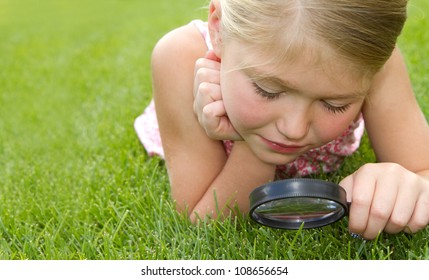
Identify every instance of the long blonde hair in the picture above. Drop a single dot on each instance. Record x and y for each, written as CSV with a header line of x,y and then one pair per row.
x,y
360,32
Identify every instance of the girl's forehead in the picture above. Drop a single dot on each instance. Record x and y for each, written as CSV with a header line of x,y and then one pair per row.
x,y
304,67
271,60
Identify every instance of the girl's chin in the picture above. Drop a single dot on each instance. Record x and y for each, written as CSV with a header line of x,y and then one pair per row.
x,y
276,159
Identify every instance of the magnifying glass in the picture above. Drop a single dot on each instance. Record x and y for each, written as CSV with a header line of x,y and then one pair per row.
x,y
288,204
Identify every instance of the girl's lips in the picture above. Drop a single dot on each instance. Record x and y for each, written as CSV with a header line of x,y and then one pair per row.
x,y
281,148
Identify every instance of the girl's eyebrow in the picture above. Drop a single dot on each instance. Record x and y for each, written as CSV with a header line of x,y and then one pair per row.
x,y
273,80
351,95
259,77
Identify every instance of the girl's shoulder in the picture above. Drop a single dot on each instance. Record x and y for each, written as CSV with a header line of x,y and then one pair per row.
x,y
182,44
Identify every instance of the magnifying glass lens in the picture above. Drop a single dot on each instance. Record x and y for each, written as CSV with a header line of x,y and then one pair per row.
x,y
299,209
292,203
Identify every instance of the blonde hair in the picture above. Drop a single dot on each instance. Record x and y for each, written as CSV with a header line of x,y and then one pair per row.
x,y
361,32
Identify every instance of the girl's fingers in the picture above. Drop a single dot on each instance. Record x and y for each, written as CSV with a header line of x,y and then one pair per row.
x,y
207,93
420,215
210,54
403,210
361,188
208,104
210,61
420,218
205,75
347,185
382,205
216,122
386,197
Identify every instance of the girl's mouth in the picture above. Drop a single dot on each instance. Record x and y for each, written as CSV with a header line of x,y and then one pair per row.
x,y
282,148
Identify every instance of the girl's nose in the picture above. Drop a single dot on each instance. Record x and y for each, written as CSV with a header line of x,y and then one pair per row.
x,y
294,124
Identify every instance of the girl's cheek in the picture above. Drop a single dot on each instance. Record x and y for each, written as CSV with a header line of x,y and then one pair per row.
x,y
327,134
243,107
329,127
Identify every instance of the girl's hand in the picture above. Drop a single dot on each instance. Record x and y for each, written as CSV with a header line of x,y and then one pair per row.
x,y
386,197
208,103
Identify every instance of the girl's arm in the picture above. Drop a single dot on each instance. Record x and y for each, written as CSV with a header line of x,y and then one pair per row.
x,y
395,123
392,195
197,165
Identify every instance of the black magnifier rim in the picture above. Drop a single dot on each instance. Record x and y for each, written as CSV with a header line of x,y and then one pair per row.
x,y
293,188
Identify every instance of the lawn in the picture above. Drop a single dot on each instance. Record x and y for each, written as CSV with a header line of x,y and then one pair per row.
x,y
75,183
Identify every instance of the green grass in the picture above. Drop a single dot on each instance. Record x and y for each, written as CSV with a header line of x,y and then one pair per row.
x,y
75,183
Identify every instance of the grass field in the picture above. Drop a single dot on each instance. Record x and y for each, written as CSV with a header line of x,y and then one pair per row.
x,y
75,183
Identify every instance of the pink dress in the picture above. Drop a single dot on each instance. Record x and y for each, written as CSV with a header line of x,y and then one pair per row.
x,y
326,158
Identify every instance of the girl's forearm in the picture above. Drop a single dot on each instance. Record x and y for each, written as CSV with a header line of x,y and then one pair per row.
x,y
242,173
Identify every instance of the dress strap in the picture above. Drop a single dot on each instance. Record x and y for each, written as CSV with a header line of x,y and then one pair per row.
x,y
204,30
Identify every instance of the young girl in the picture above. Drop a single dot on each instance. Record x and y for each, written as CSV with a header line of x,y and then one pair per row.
x,y
292,83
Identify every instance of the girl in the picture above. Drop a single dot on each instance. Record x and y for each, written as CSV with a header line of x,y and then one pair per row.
x,y
292,83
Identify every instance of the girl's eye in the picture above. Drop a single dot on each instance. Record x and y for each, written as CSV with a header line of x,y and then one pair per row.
x,y
266,94
335,109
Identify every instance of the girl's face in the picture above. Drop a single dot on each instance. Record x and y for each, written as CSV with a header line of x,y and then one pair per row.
x,y
282,112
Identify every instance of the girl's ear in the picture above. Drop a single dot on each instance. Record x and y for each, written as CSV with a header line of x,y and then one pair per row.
x,y
214,27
